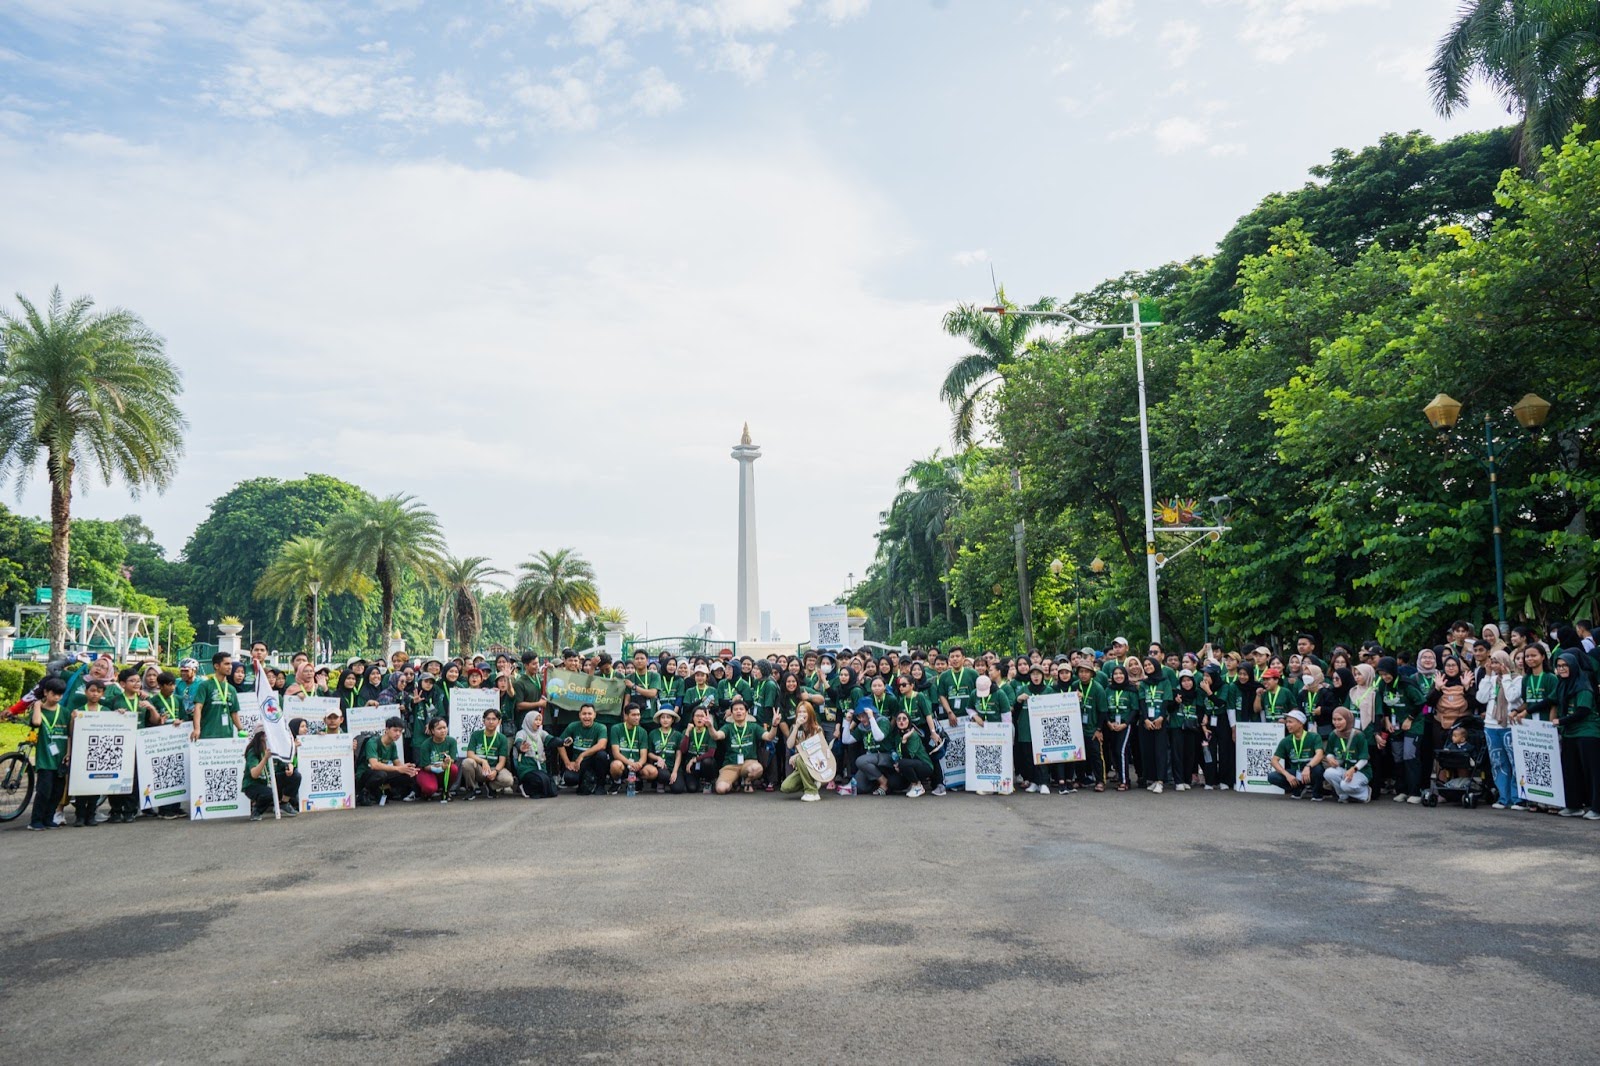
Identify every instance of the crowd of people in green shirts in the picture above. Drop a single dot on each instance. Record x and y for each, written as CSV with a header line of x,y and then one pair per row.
x,y
1360,723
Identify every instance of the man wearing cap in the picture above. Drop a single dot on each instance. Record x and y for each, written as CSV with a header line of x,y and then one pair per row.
x,y
1117,656
1273,700
183,691
663,749
1296,760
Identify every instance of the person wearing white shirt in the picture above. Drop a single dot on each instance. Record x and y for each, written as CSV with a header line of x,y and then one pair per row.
x,y
1500,695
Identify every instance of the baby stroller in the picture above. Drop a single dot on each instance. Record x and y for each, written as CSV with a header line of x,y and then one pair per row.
x,y
1469,788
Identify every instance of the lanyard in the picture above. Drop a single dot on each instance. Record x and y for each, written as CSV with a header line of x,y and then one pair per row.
x,y
1299,746
218,683
632,737
170,703
699,739
671,686
1272,701
741,734
960,676
53,722
699,693
1344,747
877,707
490,745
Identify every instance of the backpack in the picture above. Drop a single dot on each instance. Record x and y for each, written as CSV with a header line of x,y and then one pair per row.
x,y
358,746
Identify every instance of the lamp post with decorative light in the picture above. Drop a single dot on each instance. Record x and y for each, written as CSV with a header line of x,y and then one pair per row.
x,y
1443,413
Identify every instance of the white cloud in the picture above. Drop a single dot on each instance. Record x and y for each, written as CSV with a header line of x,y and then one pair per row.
x,y
566,102
454,332
655,94
838,11
267,82
1176,134
1112,18
972,258
1277,30
747,62
1178,41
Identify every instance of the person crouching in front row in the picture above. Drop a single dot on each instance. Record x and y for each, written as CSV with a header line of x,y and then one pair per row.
x,y
258,764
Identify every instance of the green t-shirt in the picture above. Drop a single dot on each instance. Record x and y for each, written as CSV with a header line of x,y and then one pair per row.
x,y
766,695
647,704
497,746
664,744
1297,752
917,706
1538,690
171,709
1349,752
1092,701
629,741
726,690
532,759
583,737
216,704
1580,709
428,753
862,732
959,687
51,752
1122,705
251,761
527,688
696,696
1156,697
699,741
741,742
1399,701
376,748
1274,705
908,746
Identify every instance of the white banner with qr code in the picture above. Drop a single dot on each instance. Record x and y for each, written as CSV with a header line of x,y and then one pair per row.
x,y
249,713
989,767
216,780
953,760
314,709
358,720
1056,721
467,707
1253,752
1536,753
163,758
829,626
327,773
102,754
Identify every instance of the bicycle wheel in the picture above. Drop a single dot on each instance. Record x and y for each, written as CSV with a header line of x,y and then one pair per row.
x,y
16,785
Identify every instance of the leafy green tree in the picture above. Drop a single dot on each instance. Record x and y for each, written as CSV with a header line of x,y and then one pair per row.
x,y
554,589
240,537
1541,56
147,563
386,538
288,580
498,627
88,393
462,582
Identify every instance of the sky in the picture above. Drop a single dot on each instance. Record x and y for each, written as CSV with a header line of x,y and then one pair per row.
x,y
536,262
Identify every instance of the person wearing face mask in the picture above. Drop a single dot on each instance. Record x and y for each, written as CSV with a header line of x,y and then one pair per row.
x,y
1580,736
1500,694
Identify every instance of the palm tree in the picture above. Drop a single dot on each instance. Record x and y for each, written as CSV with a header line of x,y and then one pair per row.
x,y
1541,56
555,588
300,575
931,496
462,581
997,340
88,391
386,538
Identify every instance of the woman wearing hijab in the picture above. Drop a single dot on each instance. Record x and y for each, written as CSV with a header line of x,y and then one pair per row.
x,y
371,693
910,769
1216,733
1500,694
348,693
530,754
1491,636
1580,736
1122,711
1400,703
1183,729
259,764
1155,700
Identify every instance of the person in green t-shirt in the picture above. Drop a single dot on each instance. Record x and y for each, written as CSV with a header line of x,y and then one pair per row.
x,y
628,745
216,702
1579,722
485,766
644,686
530,756
905,760
528,688
381,774
260,767
1346,759
956,688
1296,760
1399,703
742,737
585,765
662,750
50,718
695,766
438,759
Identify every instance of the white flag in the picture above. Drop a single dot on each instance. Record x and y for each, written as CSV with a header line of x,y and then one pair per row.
x,y
273,722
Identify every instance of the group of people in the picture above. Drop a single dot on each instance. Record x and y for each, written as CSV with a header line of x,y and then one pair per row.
x,y
1360,723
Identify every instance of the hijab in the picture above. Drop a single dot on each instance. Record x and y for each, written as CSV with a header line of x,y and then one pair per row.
x,y
527,732
1361,693
1569,688
1500,708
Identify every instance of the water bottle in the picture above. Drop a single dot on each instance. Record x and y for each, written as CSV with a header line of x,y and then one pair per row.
x,y
633,783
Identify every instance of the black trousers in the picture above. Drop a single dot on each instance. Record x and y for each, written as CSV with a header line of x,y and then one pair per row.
x,y
696,774
1114,755
1580,771
47,788
1155,755
536,784
905,772
591,773
373,781
260,792
1185,754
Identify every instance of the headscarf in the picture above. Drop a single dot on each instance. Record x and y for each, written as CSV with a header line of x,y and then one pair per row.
x,y
294,726
1492,635
1500,709
1362,692
1569,688
528,733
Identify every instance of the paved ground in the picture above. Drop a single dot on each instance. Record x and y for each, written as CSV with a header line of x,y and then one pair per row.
x,y
1203,928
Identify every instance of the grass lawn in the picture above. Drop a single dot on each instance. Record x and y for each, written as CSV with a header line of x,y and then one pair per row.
x,y
11,734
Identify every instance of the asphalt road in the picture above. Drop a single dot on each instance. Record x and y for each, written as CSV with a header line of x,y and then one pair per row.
x,y
1198,928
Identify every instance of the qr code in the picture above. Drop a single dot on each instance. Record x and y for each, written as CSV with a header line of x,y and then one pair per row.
x,y
325,775
1258,763
315,728
250,722
828,634
955,753
104,754
222,784
1055,732
1536,770
471,722
168,771
987,760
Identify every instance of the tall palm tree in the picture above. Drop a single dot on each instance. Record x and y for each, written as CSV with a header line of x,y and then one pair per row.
x,y
996,340
462,581
555,588
300,575
931,496
386,538
88,391
1541,56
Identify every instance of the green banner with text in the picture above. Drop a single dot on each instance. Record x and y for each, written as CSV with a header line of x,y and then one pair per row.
x,y
570,690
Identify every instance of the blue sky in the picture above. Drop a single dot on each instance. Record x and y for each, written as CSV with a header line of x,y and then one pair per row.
x,y
537,260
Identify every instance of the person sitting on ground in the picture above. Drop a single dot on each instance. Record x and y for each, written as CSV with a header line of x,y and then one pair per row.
x,y
1295,761
484,770
800,778
1346,759
530,756
663,750
695,765
867,733
584,762
909,768
438,759
741,767
381,774
629,744
257,785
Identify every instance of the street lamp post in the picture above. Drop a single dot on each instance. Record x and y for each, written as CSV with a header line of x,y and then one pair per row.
x,y
1096,567
1135,329
316,604
1443,413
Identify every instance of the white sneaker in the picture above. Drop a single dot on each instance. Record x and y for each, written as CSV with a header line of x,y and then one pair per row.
x,y
1044,790
1413,799
1497,806
58,819
1399,797
1180,788
1156,788
1519,806
1224,788
1207,788
1591,816
1571,812
914,791
1031,787
809,797
938,790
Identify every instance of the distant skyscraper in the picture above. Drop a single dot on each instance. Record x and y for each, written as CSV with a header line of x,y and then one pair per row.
x,y
749,601
766,625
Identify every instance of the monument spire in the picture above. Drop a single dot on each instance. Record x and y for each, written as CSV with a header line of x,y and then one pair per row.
x,y
748,612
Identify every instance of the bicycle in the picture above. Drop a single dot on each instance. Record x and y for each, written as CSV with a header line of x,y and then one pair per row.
x,y
16,778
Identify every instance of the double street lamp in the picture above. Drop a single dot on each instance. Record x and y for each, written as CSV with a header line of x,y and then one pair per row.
x,y
1530,412
1096,567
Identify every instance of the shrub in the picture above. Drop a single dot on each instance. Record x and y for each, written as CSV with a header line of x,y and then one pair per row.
x,y
10,683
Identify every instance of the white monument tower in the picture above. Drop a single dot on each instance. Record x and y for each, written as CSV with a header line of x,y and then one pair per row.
x,y
749,601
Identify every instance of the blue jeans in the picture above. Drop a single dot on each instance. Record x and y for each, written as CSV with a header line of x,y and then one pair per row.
x,y
1502,765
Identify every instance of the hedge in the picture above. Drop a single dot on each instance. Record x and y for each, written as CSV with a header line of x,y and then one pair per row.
x,y
17,678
